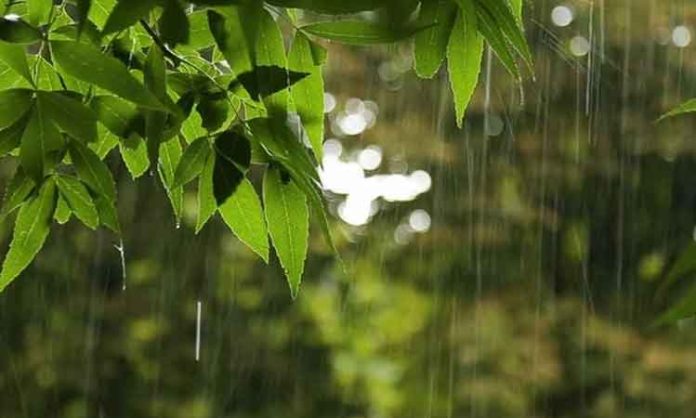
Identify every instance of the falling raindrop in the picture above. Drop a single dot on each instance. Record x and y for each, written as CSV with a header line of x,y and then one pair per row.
x,y
198,330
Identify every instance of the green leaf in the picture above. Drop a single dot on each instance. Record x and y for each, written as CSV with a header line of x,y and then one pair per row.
x,y
685,264
516,6
192,127
507,24
243,214
134,154
464,54
687,107
40,137
206,198
331,6
78,199
82,13
213,113
48,78
70,115
62,214
120,117
270,52
232,159
279,143
308,94
287,216
11,137
360,32
199,31
38,11
87,63
430,45
100,10
685,307
173,24
13,105
97,176
14,56
17,31
155,73
126,13
265,80
488,27
229,35
192,162
17,191
169,158
106,142
31,229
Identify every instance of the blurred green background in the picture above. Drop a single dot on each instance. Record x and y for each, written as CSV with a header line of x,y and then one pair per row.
x,y
510,269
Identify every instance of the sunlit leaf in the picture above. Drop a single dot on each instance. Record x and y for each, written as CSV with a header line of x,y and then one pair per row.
x,y
15,58
62,213
488,27
97,176
287,216
308,94
431,44
89,64
192,162
31,229
169,158
78,199
206,198
331,6
40,137
199,31
243,214
134,154
464,55
506,23
38,11
360,32
228,32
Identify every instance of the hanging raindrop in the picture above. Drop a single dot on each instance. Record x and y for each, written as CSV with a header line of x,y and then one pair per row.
x,y
122,254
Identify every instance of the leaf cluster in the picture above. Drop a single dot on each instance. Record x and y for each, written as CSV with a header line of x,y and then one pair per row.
x,y
201,91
